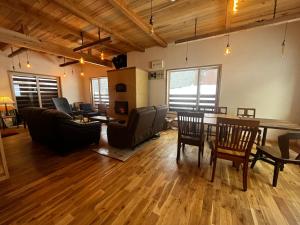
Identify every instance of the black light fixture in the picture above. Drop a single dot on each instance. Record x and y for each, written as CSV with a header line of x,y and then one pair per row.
x,y
284,39
227,49
151,19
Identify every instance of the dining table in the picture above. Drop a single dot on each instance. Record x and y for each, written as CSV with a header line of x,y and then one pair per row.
x,y
277,124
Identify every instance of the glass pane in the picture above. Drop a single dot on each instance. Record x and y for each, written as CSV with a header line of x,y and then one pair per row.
x,y
183,89
48,90
104,90
208,88
25,89
95,91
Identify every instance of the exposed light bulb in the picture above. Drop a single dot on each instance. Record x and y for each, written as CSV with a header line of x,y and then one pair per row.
x,y
227,50
152,29
81,60
65,74
102,55
28,65
235,5
82,74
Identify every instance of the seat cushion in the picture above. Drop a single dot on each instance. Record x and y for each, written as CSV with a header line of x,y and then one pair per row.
x,y
230,152
226,151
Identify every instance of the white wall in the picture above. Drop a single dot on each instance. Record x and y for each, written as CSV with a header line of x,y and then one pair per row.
x,y
254,75
46,65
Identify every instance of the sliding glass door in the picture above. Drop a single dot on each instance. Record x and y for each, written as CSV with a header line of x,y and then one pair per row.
x,y
194,88
34,90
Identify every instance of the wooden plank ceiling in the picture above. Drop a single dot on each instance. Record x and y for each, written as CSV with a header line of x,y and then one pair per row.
x,y
127,21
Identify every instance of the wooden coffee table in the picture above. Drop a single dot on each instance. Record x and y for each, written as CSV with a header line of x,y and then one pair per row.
x,y
103,119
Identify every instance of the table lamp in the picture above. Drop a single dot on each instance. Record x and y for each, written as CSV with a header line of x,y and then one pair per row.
x,y
4,100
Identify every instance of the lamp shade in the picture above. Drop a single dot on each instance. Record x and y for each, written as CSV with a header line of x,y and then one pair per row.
x,y
6,100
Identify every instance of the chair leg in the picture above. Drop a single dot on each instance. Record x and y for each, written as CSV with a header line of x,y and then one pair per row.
x,y
199,154
183,147
202,148
245,176
214,168
178,151
282,167
276,173
211,157
207,132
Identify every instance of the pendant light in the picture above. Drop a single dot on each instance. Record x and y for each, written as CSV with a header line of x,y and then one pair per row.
x,y
102,52
81,60
12,59
28,65
81,72
151,19
235,6
284,39
227,49
102,55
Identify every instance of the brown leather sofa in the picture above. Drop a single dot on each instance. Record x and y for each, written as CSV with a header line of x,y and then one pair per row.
x,y
58,129
143,124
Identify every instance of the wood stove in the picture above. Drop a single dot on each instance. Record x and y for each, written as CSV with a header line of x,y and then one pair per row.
x,y
121,107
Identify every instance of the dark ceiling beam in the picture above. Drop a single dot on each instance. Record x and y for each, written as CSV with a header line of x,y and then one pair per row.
x,y
92,44
17,52
69,63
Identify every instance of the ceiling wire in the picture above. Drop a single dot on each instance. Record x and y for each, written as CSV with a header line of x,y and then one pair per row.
x,y
275,9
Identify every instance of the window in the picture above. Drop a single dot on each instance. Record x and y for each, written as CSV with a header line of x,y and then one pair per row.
x,y
33,90
193,89
100,91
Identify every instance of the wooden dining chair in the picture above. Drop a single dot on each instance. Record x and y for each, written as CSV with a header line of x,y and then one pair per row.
x,y
250,113
218,110
190,131
234,141
277,156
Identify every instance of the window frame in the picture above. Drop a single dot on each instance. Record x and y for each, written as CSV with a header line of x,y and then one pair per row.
x,y
218,88
36,75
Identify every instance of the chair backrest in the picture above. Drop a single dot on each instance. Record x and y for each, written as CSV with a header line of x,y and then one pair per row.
x,y
62,104
284,143
246,112
102,109
190,124
206,109
86,107
236,134
221,110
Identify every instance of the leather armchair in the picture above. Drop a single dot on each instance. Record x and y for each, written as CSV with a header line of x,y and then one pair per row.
x,y
138,129
62,105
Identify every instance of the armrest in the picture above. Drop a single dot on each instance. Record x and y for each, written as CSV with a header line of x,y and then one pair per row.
x,y
75,132
117,135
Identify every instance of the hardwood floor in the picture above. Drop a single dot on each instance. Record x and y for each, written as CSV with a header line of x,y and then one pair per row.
x,y
150,188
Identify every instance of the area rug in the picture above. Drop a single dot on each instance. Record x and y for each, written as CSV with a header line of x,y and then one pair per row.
x,y
116,153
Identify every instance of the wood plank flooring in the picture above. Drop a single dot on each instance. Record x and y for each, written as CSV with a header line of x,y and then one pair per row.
x,y
150,188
